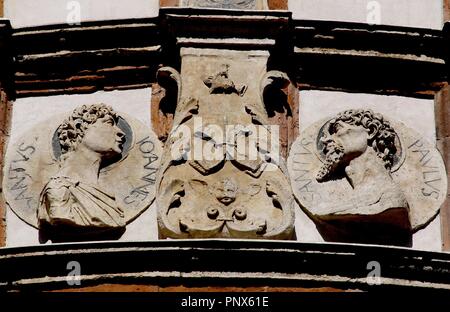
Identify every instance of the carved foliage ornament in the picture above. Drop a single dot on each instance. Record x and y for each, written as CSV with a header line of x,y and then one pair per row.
x,y
225,196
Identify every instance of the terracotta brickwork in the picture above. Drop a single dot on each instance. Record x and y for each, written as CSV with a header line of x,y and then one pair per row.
x,y
278,4
161,120
5,113
273,4
286,117
443,136
446,10
442,112
153,288
168,3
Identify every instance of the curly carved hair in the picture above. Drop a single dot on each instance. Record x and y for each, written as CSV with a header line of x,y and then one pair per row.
x,y
71,131
382,135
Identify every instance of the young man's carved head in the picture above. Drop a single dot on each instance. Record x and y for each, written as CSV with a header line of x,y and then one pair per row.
x,y
349,134
95,128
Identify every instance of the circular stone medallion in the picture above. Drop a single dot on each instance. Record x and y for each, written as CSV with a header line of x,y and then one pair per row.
x,y
418,169
35,157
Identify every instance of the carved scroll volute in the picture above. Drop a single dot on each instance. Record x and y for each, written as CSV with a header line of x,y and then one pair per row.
x,y
233,193
280,99
165,98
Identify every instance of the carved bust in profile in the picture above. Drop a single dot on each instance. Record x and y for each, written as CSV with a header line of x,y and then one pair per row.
x,y
359,146
72,201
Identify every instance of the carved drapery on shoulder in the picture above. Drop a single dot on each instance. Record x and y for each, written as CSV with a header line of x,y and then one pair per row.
x,y
84,176
364,179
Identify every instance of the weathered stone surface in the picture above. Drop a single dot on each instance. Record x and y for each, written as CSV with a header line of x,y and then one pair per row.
x,y
227,4
84,176
362,178
211,185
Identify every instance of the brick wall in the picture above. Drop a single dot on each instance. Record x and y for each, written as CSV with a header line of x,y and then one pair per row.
x,y
154,288
5,114
278,4
446,10
168,3
273,4
442,111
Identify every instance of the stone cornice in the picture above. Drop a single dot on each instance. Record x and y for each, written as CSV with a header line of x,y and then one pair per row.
x,y
86,58
223,263
369,58
123,54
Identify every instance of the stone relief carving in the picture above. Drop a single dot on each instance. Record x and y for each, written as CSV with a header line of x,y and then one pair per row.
x,y
220,83
228,194
72,198
84,176
358,177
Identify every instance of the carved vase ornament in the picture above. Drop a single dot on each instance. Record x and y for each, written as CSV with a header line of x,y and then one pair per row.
x,y
364,179
82,176
221,173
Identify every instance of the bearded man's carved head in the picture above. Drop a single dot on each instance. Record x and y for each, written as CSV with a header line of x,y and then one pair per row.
x,y
349,134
